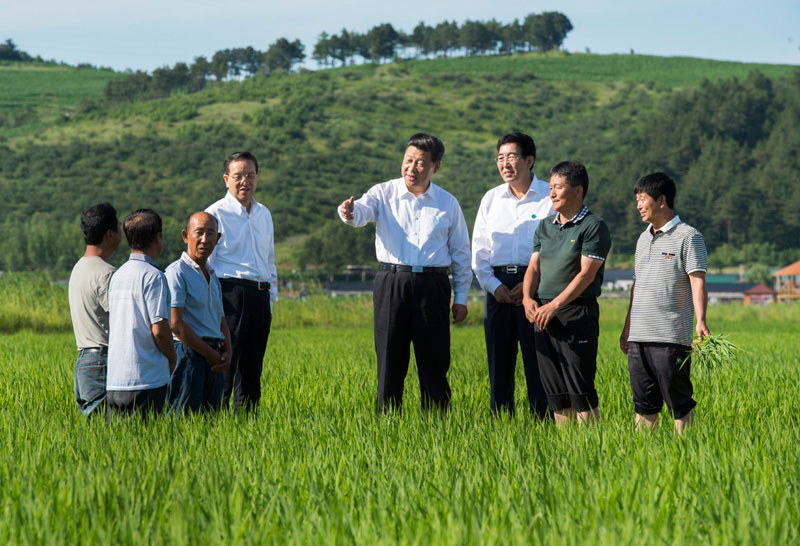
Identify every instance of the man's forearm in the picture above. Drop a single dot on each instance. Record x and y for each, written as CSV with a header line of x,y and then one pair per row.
x,y
163,338
186,335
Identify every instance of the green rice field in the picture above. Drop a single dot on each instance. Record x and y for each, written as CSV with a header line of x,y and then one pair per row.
x,y
316,466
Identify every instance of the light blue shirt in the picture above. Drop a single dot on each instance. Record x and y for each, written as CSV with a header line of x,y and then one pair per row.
x,y
138,297
201,300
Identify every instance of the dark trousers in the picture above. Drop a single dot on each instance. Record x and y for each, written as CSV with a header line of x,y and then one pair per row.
x,y
143,402
412,308
249,317
567,354
505,325
193,386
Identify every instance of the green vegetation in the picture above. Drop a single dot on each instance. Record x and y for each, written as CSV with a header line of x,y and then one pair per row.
x,y
317,467
323,136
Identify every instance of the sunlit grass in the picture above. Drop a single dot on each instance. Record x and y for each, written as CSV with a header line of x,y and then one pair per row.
x,y
316,466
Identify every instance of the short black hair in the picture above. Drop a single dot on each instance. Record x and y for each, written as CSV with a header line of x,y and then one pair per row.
x,y
142,227
527,146
239,156
96,221
427,143
574,173
655,185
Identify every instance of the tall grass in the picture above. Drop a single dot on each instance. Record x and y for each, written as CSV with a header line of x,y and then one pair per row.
x,y
317,467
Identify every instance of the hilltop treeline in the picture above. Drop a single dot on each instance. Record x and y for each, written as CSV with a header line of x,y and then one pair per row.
x,y
539,32
323,136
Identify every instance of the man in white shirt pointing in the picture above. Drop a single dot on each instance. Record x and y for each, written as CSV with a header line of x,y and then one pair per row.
x,y
244,262
420,232
502,243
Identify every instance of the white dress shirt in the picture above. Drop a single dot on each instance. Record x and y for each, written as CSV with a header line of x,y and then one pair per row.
x,y
425,230
246,249
504,228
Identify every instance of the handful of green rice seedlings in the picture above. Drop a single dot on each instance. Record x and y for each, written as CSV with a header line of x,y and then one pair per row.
x,y
713,351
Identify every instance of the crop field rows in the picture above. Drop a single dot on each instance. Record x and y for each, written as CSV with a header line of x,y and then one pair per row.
x,y
317,466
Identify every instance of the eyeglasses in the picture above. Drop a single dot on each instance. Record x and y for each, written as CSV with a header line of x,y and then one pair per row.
x,y
239,177
510,158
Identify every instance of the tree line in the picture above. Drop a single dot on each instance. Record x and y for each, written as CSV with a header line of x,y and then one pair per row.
x,y
536,32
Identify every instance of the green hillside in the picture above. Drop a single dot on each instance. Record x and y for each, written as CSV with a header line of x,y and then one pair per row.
x,y
726,130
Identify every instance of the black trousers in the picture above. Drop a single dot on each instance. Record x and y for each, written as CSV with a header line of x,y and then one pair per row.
x,y
143,402
505,325
567,354
249,317
412,308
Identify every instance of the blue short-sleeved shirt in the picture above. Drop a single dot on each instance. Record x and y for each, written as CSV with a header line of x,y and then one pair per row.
x,y
201,300
138,297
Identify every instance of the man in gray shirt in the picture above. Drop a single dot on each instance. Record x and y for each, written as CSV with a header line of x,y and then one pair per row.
x,y
669,290
141,356
202,338
88,304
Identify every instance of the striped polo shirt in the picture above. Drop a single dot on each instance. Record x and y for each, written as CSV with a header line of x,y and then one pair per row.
x,y
662,310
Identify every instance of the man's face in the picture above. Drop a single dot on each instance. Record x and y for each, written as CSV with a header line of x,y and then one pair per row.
x,y
563,196
512,166
241,180
200,236
647,206
417,168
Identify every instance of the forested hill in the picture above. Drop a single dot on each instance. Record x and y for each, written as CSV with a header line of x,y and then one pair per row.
x,y
728,132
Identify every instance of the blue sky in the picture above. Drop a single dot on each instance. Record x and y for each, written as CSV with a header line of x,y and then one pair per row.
x,y
146,34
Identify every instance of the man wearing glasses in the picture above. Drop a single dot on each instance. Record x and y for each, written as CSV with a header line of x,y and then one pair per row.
x,y
244,261
502,243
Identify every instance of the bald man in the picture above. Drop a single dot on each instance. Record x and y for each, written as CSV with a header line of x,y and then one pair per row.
x,y
201,335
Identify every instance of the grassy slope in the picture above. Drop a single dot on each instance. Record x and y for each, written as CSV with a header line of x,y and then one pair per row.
x,y
456,98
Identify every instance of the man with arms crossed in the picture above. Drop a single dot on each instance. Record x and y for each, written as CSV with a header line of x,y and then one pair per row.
x,y
88,304
502,244
244,261
560,294
669,288
141,356
202,339
420,232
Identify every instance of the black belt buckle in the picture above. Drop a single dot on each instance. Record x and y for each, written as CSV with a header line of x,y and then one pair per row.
x,y
262,285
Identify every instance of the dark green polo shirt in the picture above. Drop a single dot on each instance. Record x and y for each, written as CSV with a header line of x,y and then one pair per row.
x,y
560,248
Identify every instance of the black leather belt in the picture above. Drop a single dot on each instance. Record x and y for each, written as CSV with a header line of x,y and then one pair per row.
x,y
216,344
98,350
510,269
412,268
258,285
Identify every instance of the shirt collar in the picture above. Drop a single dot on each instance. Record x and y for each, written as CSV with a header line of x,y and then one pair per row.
x,y
406,194
232,204
575,219
536,188
143,258
185,258
668,226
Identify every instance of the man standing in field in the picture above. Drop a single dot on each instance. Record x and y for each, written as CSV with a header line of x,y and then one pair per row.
x,y
420,232
88,304
244,261
202,339
669,289
140,352
502,244
560,294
